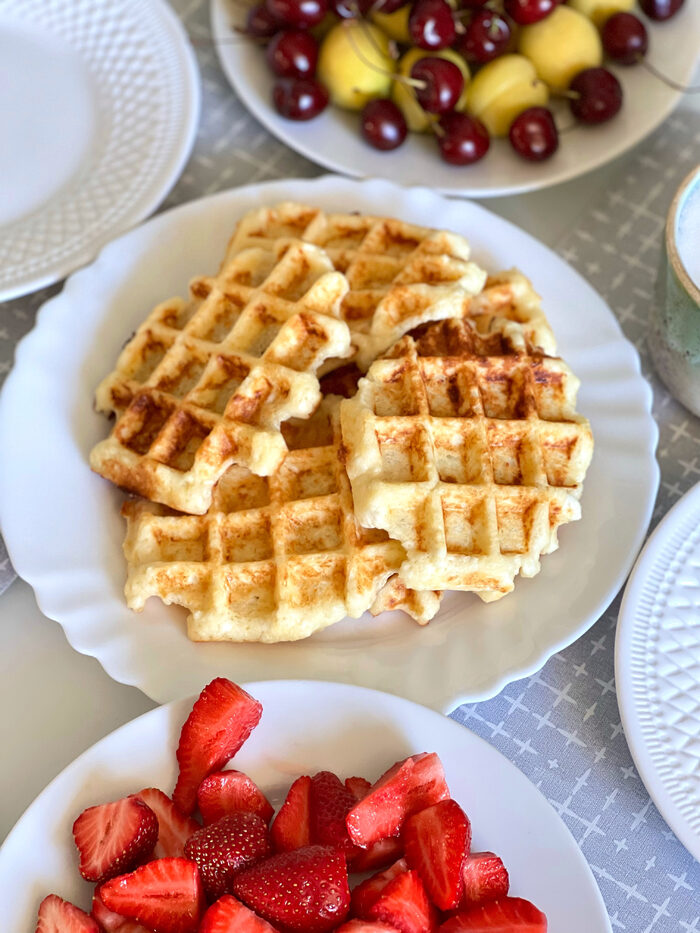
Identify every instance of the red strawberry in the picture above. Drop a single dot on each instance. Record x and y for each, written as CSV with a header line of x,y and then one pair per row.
x,y
506,915
382,853
227,791
358,787
409,786
165,894
174,828
367,892
404,904
485,879
436,841
305,890
221,720
331,802
225,847
291,828
113,837
228,915
59,916
365,926
110,922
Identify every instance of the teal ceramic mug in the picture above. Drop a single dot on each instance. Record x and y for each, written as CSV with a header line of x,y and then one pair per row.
x,y
674,337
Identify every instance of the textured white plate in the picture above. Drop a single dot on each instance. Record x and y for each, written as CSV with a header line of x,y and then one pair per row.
x,y
333,139
657,668
353,731
98,107
64,533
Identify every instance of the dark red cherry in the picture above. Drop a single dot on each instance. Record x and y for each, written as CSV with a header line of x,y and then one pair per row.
x,y
431,24
297,14
464,139
533,134
347,9
441,84
260,23
625,38
299,98
486,37
661,9
293,54
383,124
599,95
525,12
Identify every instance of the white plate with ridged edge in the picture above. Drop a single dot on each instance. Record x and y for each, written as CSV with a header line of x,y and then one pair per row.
x,y
64,533
657,668
99,108
307,727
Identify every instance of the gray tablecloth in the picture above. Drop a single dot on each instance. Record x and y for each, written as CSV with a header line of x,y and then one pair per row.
x,y
562,726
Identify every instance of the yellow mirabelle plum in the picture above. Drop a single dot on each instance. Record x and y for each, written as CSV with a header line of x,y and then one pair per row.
x,y
355,64
600,10
395,24
502,89
561,45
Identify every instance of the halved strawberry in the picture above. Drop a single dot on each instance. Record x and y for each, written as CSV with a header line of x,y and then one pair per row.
x,y
367,892
408,786
165,895
485,878
404,904
506,915
436,842
174,828
331,802
111,922
291,828
305,890
113,837
225,847
365,926
379,855
359,787
228,791
59,916
221,720
228,915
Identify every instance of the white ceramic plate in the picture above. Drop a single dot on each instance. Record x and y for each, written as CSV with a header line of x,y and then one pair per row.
x,y
99,107
64,533
307,727
333,139
657,668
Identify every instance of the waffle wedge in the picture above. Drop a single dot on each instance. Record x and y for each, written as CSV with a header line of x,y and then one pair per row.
x,y
206,383
469,453
399,274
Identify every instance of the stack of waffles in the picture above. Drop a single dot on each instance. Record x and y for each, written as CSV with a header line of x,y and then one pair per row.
x,y
270,507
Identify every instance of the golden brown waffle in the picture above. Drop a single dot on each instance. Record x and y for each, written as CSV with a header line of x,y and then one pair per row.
x,y
275,558
206,383
399,274
468,453
510,305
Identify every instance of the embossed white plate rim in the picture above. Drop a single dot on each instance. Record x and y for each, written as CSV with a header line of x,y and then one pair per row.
x,y
634,684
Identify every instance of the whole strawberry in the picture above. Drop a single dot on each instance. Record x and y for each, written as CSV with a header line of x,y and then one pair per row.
x,y
304,890
223,848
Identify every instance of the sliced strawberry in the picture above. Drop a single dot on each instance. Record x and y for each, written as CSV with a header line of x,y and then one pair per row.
x,y
228,915
305,890
506,915
111,922
59,916
366,894
404,904
359,787
291,828
113,837
365,926
331,802
174,828
409,786
225,847
228,791
382,853
436,841
165,895
485,879
221,720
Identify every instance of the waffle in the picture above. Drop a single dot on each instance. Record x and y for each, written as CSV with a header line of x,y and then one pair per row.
x,y
510,305
470,454
400,275
275,558
207,382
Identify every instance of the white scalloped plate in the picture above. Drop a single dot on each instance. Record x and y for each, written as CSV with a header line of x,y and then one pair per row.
x,y
657,668
353,731
64,533
99,108
333,139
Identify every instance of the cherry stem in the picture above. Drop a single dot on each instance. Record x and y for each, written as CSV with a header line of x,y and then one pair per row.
x,y
669,82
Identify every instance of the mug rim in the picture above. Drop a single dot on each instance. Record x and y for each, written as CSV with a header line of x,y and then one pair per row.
x,y
671,247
